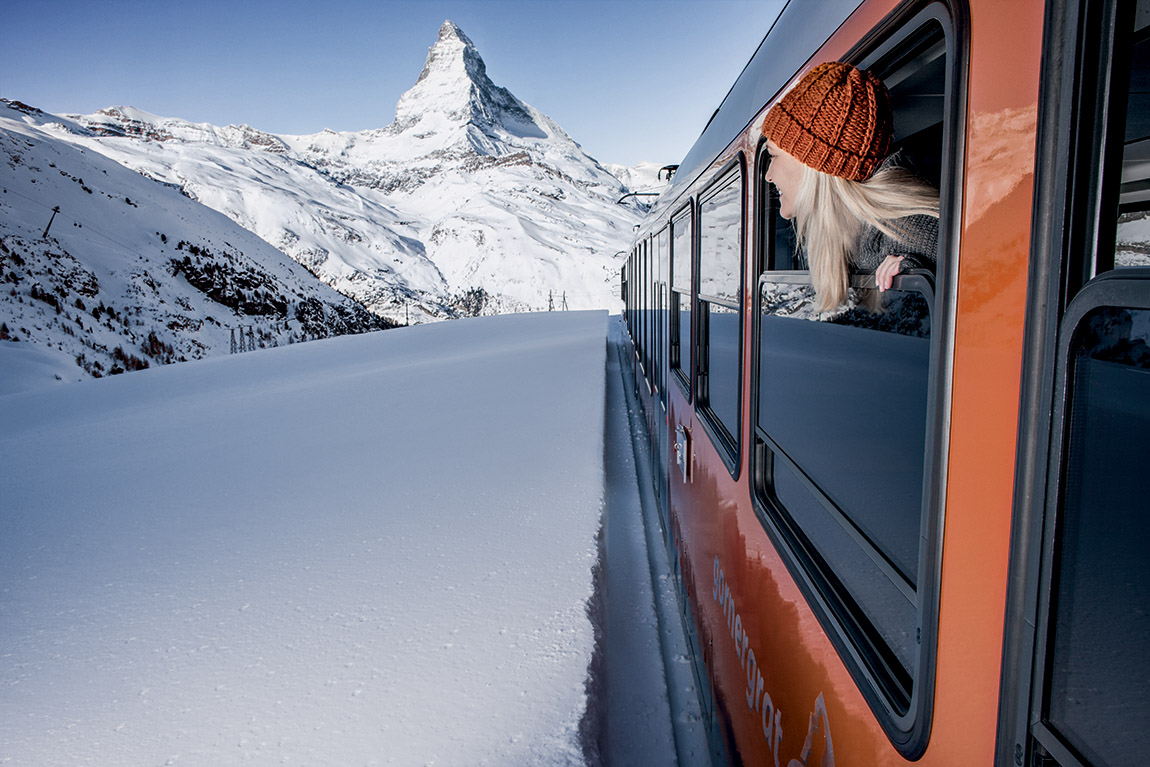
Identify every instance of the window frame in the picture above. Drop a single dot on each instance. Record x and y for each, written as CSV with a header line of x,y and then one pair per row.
x,y
645,258
636,340
727,443
683,370
906,715
662,316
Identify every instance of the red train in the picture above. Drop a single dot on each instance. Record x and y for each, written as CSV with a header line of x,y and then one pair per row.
x,y
917,533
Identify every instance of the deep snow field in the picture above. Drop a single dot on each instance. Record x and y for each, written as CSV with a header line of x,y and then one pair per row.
x,y
374,549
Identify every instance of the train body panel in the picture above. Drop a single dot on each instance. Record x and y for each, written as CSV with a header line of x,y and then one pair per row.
x,y
846,601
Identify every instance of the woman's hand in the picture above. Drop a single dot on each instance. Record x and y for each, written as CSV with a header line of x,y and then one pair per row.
x,y
884,275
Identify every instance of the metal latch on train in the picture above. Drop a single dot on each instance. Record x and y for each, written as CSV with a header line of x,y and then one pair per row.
x,y
682,449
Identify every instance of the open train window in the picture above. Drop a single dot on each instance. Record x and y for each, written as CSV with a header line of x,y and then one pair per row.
x,y
777,249
848,413
720,316
1076,669
682,283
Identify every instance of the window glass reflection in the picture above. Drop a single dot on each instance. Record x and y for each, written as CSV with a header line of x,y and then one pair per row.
x,y
720,246
1100,668
843,399
681,253
723,365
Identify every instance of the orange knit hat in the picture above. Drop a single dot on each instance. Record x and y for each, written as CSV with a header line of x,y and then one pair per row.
x,y
837,120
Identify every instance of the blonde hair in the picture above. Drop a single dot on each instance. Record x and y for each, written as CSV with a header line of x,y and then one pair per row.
x,y
830,212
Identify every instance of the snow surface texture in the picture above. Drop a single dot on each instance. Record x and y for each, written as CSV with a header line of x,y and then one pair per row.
x,y
375,549
468,189
1133,247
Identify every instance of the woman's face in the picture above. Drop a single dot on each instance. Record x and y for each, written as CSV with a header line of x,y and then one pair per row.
x,y
784,172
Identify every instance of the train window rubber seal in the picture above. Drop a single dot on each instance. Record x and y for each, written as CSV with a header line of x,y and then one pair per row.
x,y
855,637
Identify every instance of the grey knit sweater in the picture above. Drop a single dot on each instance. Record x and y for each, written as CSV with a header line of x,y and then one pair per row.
x,y
919,249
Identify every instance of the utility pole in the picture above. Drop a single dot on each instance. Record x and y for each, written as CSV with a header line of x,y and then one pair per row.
x,y
55,210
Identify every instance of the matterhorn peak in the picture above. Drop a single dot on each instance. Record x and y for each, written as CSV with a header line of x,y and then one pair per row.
x,y
453,56
451,31
454,93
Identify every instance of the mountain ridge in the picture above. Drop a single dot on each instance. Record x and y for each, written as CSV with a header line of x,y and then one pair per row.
x,y
468,192
470,202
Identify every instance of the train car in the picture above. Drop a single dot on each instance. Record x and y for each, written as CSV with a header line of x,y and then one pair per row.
x,y
915,531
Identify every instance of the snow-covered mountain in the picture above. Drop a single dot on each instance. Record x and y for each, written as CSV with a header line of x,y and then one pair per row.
x,y
646,177
104,270
469,202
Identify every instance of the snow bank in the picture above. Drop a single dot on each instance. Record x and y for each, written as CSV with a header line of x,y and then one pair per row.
x,y
26,366
369,550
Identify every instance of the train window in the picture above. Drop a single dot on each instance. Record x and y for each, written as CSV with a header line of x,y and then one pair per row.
x,y
849,485
656,336
645,257
652,313
634,298
663,248
682,282
623,287
1099,633
639,303
846,417
1078,631
646,309
629,296
719,313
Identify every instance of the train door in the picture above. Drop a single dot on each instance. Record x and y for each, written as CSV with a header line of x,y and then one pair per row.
x,y
1076,670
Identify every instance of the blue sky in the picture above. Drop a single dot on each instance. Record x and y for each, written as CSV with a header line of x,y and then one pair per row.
x,y
630,80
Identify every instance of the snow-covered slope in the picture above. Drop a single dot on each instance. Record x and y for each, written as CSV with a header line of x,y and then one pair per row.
x,y
355,240
131,272
469,194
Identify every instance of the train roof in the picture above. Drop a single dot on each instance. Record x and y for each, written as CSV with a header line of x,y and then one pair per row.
x,y
800,29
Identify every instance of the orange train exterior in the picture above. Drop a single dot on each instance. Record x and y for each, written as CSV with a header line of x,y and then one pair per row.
x,y
883,537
